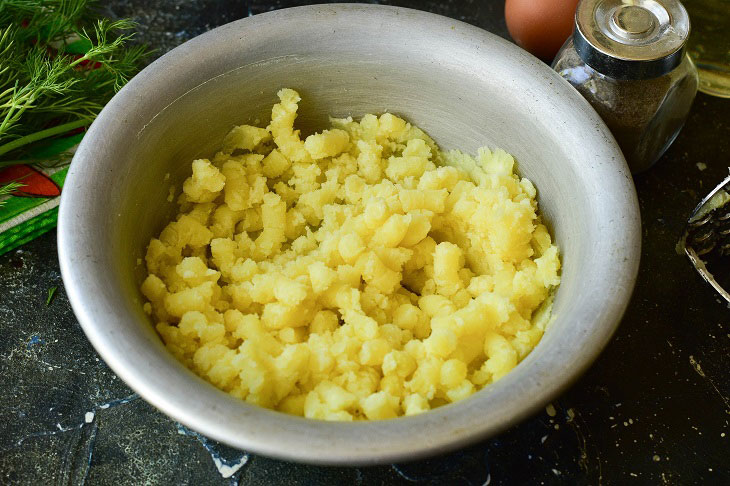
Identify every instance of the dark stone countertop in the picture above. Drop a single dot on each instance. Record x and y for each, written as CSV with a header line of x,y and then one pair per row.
x,y
653,409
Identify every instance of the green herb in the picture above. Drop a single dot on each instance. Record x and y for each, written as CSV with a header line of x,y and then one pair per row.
x,y
59,64
51,295
9,188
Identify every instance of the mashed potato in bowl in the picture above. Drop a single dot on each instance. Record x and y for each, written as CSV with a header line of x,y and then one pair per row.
x,y
360,273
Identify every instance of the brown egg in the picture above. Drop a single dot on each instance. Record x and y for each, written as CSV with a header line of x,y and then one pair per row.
x,y
540,26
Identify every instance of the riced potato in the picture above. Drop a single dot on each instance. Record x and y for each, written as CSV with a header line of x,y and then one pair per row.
x,y
360,273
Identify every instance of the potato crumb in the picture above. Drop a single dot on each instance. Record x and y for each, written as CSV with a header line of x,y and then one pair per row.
x,y
357,274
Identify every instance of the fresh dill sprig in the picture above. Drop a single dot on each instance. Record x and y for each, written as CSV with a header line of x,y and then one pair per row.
x,y
47,86
7,189
51,295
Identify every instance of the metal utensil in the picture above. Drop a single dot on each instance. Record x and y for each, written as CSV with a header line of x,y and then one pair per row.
x,y
706,240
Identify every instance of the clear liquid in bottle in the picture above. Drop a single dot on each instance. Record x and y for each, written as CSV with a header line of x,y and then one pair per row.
x,y
709,44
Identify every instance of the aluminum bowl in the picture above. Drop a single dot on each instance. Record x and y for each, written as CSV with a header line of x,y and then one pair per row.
x,y
465,87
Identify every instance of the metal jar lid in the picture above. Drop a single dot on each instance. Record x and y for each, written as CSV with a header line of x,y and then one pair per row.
x,y
631,39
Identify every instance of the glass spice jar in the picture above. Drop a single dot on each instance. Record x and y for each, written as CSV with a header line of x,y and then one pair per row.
x,y
628,60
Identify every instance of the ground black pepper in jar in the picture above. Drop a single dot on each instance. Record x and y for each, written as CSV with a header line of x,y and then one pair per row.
x,y
629,62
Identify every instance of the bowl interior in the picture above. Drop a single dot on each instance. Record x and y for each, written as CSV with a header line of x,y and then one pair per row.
x,y
464,87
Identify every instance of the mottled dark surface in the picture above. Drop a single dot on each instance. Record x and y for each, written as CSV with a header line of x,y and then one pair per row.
x,y
654,409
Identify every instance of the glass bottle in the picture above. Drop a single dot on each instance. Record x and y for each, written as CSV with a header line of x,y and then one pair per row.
x,y
628,60
709,44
